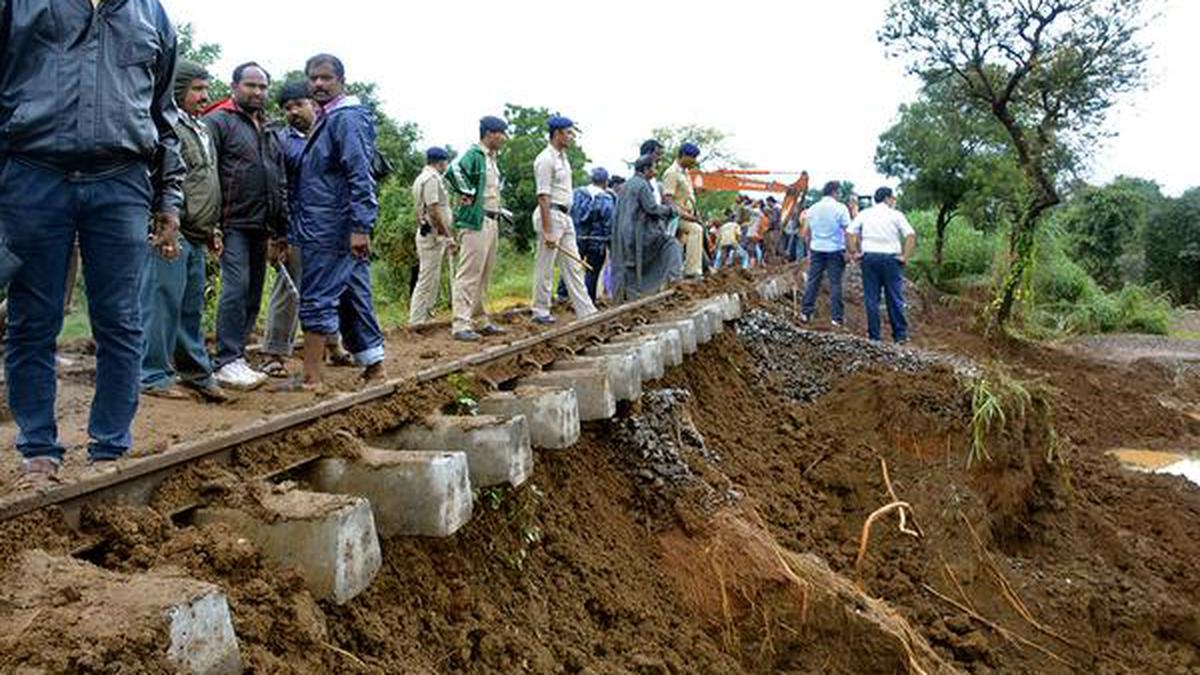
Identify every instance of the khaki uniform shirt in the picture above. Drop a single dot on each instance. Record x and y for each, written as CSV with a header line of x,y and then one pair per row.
x,y
677,184
552,176
491,186
429,192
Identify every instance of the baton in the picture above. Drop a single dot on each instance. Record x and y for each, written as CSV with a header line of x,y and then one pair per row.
x,y
568,254
281,270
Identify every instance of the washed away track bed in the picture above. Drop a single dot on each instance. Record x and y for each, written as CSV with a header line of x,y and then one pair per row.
x,y
720,525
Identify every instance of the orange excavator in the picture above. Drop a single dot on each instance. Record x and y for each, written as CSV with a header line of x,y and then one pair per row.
x,y
751,180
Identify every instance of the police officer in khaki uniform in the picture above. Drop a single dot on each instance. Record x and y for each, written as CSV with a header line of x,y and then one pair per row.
x,y
679,192
432,203
556,232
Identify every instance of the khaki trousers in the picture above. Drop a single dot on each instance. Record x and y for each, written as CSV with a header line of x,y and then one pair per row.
x,y
571,271
693,248
430,251
476,261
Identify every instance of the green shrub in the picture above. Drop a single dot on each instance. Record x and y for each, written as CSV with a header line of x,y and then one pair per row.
x,y
1061,280
967,254
394,240
1143,311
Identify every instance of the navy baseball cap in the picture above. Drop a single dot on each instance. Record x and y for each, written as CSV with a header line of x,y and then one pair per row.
x,y
558,122
436,154
492,124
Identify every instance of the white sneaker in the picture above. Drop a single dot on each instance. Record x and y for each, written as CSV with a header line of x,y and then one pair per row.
x,y
256,376
237,375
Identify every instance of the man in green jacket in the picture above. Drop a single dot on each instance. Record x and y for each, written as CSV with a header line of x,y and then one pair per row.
x,y
476,179
172,291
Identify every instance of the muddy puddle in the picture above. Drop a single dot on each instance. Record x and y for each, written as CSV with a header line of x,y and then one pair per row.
x,y
1162,462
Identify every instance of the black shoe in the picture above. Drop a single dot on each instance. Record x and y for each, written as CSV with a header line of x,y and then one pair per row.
x,y
467,336
492,329
211,392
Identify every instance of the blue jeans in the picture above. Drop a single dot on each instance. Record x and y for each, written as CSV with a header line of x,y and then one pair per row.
x,y
833,262
335,294
172,300
729,255
884,271
43,211
243,271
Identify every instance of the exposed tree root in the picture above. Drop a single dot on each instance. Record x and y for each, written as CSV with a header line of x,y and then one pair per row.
x,y
1001,630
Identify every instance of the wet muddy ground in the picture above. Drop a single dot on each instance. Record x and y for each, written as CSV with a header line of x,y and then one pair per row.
x,y
720,525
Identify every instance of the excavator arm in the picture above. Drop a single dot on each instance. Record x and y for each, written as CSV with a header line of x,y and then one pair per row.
x,y
737,180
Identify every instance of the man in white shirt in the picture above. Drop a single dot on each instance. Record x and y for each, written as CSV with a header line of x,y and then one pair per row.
x,y
824,231
556,232
882,239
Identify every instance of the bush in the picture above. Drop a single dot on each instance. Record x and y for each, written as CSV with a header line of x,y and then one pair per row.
x,y
394,240
967,255
1059,280
1142,311
1065,299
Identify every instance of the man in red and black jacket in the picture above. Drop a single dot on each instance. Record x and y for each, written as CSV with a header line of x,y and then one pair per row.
x,y
253,216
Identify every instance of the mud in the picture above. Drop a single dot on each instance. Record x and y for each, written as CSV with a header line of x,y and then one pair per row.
x,y
716,526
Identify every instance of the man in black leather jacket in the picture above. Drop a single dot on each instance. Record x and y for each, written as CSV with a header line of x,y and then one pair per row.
x,y
87,150
253,216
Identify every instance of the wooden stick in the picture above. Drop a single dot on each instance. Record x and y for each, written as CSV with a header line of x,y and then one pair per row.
x,y
1004,632
570,256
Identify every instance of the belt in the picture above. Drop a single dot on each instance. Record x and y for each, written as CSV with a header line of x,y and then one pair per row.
x,y
494,215
561,209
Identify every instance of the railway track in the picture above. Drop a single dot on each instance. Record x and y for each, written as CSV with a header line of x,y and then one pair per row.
x,y
135,480
328,520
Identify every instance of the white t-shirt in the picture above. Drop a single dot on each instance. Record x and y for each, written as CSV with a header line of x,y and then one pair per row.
x,y
881,229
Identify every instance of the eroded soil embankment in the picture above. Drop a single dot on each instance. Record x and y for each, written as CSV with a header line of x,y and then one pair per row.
x,y
715,528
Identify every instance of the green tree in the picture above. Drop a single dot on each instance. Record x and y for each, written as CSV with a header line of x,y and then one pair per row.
x,y
1047,70
1172,243
713,144
206,54
943,153
714,153
528,136
1103,223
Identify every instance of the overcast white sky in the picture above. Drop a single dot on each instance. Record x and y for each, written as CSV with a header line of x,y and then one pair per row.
x,y
797,85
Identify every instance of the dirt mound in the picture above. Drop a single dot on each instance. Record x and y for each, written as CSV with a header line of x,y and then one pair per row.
x,y
723,525
1059,553
804,364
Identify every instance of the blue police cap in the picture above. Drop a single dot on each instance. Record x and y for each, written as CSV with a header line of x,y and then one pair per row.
x,y
436,154
599,175
491,124
689,150
558,122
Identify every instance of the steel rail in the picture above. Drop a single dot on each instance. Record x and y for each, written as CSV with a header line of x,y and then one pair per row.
x,y
145,473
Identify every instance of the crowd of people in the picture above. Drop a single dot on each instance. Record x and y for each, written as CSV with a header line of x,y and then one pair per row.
x,y
132,164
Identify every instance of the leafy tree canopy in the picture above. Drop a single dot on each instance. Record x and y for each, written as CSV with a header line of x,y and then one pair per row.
x,y
1048,71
